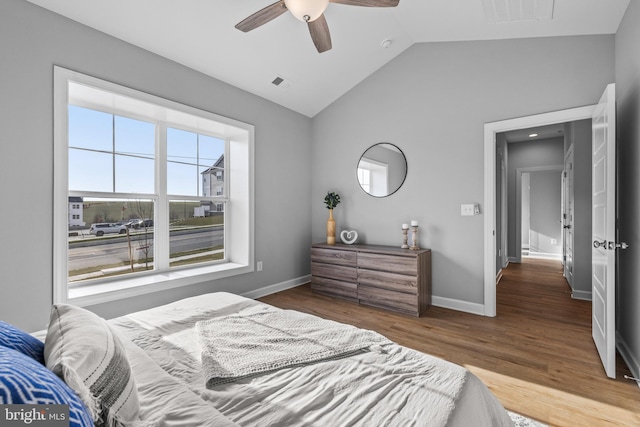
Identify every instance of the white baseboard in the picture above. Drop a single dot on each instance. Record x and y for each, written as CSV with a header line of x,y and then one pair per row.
x,y
277,287
454,304
632,362
512,259
582,295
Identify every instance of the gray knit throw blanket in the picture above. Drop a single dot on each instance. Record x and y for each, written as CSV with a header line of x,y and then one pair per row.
x,y
238,346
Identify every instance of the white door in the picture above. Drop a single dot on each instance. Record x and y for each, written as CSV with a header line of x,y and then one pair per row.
x,y
567,216
603,252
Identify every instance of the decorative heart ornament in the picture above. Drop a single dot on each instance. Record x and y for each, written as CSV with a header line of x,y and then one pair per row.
x,y
349,237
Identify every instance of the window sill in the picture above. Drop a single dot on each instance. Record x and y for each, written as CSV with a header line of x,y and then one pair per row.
x,y
126,288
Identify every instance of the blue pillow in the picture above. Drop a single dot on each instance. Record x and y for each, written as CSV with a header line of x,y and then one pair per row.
x,y
19,340
23,380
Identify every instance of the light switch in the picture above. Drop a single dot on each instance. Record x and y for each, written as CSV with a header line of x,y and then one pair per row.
x,y
470,209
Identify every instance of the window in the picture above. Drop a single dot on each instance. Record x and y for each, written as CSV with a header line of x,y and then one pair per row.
x,y
364,178
155,216
373,177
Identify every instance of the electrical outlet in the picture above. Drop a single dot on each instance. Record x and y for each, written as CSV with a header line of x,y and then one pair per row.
x,y
259,265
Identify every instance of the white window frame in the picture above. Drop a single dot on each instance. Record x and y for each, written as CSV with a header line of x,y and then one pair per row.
x,y
378,176
239,220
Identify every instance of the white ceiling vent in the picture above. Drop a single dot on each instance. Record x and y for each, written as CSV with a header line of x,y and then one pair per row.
x,y
499,11
281,82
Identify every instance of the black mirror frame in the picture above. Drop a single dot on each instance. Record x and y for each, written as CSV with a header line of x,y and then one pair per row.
x,y
406,169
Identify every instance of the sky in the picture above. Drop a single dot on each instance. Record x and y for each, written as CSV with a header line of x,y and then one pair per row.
x,y
103,146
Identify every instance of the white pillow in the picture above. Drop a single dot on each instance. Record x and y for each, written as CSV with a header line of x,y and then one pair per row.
x,y
85,352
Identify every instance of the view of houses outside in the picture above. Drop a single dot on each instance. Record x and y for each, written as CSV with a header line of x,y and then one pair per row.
x,y
115,235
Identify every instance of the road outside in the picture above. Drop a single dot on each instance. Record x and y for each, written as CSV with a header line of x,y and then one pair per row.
x,y
92,257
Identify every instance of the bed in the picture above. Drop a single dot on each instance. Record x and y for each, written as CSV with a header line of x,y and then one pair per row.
x,y
220,359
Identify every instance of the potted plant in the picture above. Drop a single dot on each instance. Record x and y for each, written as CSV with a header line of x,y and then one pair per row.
x,y
331,200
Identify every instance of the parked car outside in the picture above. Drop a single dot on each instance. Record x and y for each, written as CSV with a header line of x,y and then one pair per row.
x,y
101,229
137,223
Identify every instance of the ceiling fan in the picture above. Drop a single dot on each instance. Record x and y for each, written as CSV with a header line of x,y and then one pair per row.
x,y
309,11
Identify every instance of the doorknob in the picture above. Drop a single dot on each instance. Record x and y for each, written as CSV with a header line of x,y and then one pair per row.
x,y
597,244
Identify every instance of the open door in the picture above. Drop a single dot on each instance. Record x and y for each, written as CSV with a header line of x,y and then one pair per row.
x,y
603,253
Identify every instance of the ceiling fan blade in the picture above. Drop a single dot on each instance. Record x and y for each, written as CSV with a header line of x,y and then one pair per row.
x,y
320,33
368,3
262,16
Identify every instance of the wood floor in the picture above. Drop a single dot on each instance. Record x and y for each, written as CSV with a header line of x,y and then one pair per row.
x,y
536,355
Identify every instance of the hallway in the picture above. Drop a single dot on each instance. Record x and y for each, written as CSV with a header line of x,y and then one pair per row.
x,y
534,299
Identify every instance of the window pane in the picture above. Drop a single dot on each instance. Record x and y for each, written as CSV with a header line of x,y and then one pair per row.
x,y
134,175
110,237
211,166
135,148
191,158
181,179
196,233
90,129
182,156
90,171
96,153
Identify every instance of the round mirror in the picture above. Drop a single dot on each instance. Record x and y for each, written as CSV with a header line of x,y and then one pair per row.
x,y
382,169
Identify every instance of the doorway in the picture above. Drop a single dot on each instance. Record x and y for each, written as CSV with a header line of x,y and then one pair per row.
x,y
538,212
490,226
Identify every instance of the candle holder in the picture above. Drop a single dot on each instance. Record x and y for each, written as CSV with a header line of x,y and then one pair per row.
x,y
414,235
405,238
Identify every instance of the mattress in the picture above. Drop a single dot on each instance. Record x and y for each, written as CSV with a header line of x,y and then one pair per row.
x,y
388,385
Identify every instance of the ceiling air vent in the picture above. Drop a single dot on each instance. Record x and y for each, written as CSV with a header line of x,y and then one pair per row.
x,y
500,11
281,82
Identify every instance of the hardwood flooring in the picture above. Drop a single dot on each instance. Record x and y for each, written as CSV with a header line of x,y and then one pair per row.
x,y
536,355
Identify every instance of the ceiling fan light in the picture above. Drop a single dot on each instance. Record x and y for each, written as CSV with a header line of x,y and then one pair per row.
x,y
302,9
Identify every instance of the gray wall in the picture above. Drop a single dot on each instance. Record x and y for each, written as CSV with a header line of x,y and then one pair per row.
x,y
32,40
522,155
433,101
545,212
628,100
579,134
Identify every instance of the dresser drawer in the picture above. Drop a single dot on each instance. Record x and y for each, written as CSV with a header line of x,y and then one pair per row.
x,y
334,256
332,287
383,298
391,281
339,272
395,264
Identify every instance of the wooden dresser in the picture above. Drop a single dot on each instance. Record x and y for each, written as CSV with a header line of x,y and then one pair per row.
x,y
382,276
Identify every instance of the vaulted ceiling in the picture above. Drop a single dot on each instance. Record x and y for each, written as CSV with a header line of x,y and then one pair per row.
x,y
200,34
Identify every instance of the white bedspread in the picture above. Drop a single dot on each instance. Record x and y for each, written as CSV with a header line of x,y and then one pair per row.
x,y
394,386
